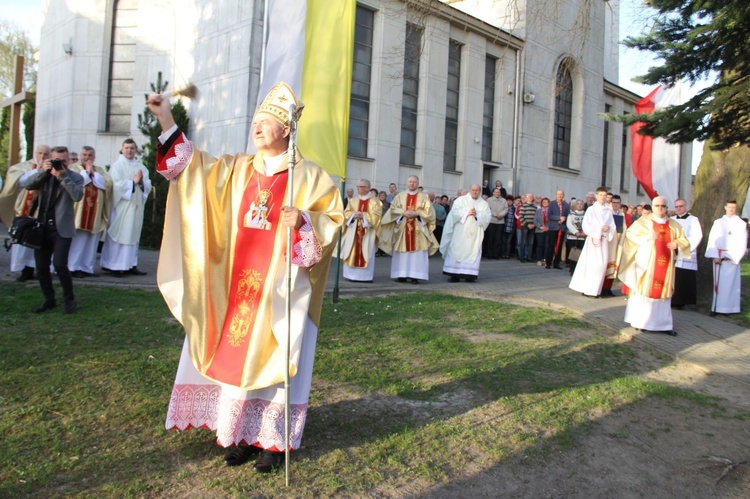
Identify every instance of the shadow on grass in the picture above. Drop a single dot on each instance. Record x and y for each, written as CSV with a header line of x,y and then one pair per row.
x,y
117,446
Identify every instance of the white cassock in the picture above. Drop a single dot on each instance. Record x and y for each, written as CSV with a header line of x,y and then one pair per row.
x,y
590,271
728,241
461,243
83,247
120,250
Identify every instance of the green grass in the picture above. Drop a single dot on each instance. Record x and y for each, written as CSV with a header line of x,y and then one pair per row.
x,y
407,389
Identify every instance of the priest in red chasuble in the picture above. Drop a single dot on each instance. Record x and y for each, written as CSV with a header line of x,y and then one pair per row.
x,y
222,271
362,222
647,268
406,232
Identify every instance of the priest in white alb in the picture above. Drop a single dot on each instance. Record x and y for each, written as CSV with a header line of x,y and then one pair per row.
x,y
647,268
463,233
362,223
223,273
130,189
599,227
91,214
726,246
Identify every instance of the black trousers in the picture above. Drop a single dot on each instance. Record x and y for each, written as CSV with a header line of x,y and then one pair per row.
x,y
550,256
493,235
55,250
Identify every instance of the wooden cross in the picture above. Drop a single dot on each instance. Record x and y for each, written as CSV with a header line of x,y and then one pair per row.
x,y
15,101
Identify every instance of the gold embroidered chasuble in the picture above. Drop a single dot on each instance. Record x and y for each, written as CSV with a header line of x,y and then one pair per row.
x,y
14,201
358,240
196,265
410,234
92,211
643,267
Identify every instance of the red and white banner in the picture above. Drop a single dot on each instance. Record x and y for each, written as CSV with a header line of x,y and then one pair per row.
x,y
656,164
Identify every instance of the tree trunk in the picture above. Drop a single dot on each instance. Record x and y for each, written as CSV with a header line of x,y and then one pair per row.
x,y
721,175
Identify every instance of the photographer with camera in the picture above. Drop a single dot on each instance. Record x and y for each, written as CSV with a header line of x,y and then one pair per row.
x,y
59,188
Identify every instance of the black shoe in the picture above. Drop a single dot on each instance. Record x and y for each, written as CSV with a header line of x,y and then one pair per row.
x,y
471,279
607,292
135,271
557,267
240,454
547,267
401,279
91,274
712,314
70,306
671,333
118,273
268,461
47,305
27,274
454,279
78,274
415,281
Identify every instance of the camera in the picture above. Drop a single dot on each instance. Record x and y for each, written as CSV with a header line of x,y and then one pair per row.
x,y
57,164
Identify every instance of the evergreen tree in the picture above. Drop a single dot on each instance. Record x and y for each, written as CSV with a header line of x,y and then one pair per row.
x,y
153,216
699,39
4,140
27,117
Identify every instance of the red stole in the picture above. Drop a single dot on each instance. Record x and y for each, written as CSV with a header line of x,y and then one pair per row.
x,y
662,260
253,252
28,201
411,223
88,214
359,257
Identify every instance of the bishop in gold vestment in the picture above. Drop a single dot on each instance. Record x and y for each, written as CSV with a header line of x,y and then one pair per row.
x,y
222,271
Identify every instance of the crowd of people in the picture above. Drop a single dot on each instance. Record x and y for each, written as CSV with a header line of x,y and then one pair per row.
x,y
83,209
650,248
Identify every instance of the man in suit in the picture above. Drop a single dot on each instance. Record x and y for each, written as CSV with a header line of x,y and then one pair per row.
x,y
59,188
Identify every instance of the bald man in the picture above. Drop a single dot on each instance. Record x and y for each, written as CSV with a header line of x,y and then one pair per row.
x,y
647,268
461,244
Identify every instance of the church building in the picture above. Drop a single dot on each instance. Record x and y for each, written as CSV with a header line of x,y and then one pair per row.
x,y
453,91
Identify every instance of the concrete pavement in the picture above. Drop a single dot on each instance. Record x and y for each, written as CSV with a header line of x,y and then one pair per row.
x,y
712,343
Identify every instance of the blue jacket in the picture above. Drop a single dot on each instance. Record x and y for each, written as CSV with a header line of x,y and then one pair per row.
x,y
553,216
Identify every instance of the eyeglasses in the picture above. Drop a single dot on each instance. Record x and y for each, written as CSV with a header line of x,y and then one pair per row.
x,y
660,206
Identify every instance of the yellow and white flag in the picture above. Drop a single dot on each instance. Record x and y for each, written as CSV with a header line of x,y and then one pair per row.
x,y
309,44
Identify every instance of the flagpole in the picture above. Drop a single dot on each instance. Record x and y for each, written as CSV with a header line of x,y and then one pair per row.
x,y
338,254
292,159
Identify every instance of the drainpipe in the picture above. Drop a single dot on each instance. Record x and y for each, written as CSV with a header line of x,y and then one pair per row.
x,y
517,121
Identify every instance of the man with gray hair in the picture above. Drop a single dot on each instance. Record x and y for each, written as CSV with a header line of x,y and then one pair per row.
x,y
362,220
647,268
461,244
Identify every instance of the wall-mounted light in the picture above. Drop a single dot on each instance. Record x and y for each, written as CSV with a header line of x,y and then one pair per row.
x,y
68,47
528,97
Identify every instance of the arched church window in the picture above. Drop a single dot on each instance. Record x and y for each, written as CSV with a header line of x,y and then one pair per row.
x,y
121,66
563,116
